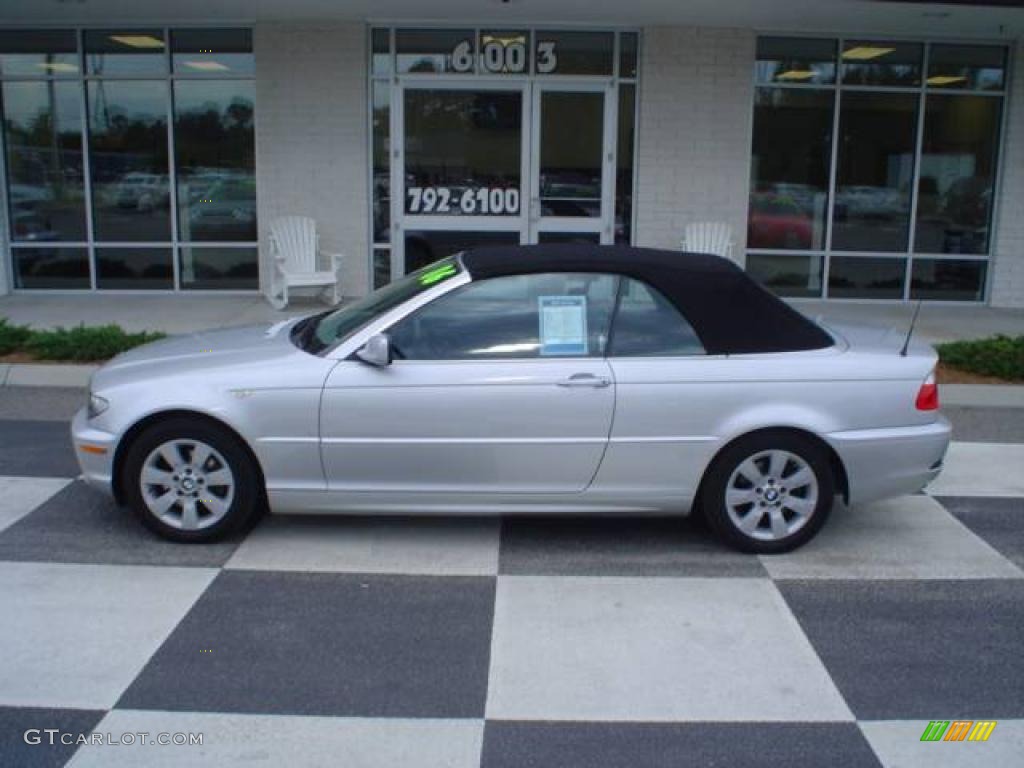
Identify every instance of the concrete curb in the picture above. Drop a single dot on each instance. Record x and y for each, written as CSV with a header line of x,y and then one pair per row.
x,y
42,375
68,375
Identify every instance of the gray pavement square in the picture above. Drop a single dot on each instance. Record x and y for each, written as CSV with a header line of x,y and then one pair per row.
x,y
15,722
912,649
1000,522
80,525
510,744
37,449
326,644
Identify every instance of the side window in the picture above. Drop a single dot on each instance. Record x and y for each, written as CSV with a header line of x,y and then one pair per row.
x,y
648,325
532,316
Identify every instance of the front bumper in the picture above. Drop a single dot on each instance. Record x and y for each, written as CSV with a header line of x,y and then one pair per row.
x,y
94,450
882,463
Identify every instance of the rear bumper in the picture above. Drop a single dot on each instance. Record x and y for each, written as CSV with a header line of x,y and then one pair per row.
x,y
881,463
94,450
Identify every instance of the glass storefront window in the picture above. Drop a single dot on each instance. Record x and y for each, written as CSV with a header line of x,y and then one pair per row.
x,y
134,268
128,160
912,174
867,62
380,46
574,53
624,164
42,53
463,151
51,267
958,162
436,51
125,52
211,268
875,171
122,179
948,279
973,67
790,174
628,54
795,60
212,52
381,161
214,160
866,277
46,192
789,275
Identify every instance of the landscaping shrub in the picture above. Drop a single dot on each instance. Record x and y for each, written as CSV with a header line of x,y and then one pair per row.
x,y
84,344
1001,356
12,337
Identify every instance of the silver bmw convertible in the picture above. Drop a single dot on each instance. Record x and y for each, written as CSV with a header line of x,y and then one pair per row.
x,y
541,379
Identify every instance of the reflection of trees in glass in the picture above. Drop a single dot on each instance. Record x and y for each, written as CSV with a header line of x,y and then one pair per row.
x,y
44,161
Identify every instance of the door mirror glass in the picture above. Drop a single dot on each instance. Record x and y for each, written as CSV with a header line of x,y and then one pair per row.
x,y
376,351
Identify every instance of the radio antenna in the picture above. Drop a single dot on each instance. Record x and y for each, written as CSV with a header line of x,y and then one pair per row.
x,y
910,330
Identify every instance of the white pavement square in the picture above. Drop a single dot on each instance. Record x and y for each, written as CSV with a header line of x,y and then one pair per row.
x,y
21,495
415,546
897,743
981,469
77,635
912,537
653,649
276,740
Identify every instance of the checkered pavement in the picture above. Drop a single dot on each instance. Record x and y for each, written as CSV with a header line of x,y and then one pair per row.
x,y
524,642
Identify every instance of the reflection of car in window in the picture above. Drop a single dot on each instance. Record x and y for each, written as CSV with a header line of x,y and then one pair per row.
x,y
776,222
142,191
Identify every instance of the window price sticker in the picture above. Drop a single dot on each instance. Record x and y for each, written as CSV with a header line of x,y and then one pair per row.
x,y
563,325
463,201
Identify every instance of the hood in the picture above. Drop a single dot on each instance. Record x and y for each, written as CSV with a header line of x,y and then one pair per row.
x,y
197,352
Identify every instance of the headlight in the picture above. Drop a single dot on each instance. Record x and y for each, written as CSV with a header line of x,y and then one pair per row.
x,y
97,405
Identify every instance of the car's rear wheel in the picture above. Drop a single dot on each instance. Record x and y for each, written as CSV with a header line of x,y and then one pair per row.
x,y
190,480
769,492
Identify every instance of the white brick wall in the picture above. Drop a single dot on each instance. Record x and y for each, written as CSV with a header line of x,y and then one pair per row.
x,y
311,138
1008,264
693,150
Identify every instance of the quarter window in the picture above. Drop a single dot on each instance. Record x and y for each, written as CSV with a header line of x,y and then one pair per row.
x,y
647,325
519,316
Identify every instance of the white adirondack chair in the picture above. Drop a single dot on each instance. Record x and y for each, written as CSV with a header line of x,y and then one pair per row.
x,y
712,237
295,247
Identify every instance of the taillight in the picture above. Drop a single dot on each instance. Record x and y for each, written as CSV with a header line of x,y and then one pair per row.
x,y
928,394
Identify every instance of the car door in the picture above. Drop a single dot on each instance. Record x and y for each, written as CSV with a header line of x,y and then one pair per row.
x,y
665,408
497,387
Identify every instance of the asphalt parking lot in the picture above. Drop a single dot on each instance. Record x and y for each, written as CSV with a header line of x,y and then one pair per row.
x,y
519,642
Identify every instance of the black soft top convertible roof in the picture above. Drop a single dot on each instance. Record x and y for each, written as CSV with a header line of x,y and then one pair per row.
x,y
730,312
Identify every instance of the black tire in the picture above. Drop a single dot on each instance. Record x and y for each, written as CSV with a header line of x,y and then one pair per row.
x,y
718,475
247,496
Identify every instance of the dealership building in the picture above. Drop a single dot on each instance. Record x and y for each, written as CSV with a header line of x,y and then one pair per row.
x,y
856,149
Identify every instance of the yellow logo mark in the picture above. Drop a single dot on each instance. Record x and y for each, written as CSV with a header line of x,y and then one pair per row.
x,y
982,730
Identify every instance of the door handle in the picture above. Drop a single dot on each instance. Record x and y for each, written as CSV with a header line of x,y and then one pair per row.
x,y
585,380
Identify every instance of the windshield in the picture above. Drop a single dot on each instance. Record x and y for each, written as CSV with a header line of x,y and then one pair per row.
x,y
321,331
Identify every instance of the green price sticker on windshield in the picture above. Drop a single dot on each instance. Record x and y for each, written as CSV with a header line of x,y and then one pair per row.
x,y
437,274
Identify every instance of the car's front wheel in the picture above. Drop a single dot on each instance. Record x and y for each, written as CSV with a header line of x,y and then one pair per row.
x,y
769,492
190,480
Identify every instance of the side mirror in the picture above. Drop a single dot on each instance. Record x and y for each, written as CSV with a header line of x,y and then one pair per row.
x,y
376,351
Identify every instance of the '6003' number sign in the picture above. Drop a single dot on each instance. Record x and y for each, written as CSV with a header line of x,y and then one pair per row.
x,y
463,201
504,56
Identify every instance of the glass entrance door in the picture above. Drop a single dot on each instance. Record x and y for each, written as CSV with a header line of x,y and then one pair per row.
x,y
502,163
462,170
571,164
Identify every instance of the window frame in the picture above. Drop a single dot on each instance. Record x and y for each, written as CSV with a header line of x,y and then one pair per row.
x,y
909,255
